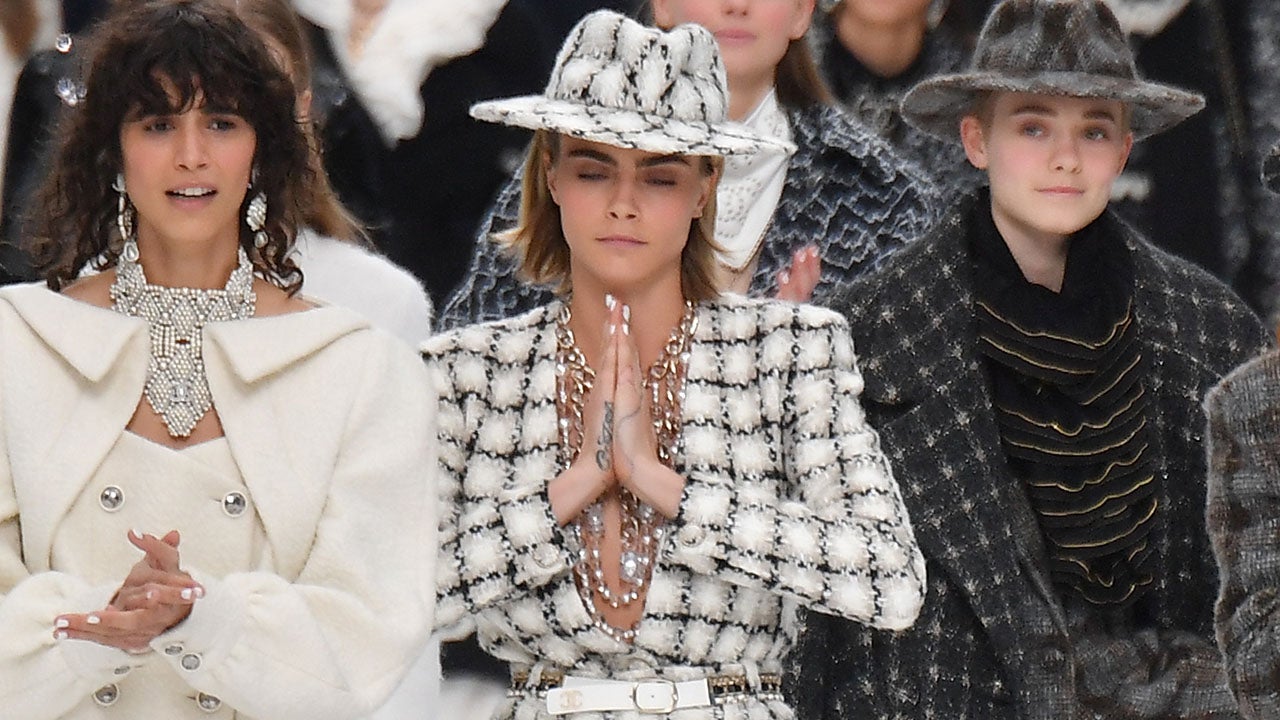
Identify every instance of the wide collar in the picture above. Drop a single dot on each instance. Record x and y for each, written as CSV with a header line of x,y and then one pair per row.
x,y
92,339
108,352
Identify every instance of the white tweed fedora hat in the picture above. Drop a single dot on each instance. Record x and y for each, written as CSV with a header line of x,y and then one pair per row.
x,y
1049,47
621,83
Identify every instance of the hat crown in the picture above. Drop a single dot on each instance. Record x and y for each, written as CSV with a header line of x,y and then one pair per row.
x,y
1023,38
612,63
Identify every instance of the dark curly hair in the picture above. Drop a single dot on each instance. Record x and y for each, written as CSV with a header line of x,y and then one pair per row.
x,y
199,50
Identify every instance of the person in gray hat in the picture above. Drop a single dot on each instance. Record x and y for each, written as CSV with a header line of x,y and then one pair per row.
x,y
1035,369
642,480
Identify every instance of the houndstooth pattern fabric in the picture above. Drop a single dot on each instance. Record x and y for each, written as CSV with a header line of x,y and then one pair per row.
x,y
846,191
1244,505
994,640
788,502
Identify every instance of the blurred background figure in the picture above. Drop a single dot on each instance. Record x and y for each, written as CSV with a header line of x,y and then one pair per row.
x,y
417,66
25,26
1195,189
871,52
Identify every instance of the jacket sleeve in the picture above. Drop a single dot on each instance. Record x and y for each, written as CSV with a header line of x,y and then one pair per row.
x,y
499,539
334,641
824,523
1243,516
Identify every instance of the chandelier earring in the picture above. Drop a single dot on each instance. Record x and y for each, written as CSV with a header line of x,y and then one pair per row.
x,y
124,220
255,216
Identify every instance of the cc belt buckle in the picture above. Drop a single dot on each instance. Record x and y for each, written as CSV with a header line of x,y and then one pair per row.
x,y
655,696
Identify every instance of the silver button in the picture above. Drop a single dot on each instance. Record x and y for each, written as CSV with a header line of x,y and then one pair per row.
x,y
690,535
190,661
174,649
107,695
208,703
111,499
546,556
234,504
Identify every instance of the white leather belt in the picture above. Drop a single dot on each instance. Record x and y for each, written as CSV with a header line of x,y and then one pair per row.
x,y
577,695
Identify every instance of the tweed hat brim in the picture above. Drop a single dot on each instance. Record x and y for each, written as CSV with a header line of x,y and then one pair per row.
x,y
937,105
628,128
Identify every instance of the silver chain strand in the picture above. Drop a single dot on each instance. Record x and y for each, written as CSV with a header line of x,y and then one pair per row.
x,y
642,526
177,387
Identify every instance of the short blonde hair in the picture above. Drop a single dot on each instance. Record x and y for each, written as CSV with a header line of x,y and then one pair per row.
x,y
542,253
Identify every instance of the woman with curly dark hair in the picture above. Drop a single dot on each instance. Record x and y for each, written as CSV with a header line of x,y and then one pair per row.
x,y
211,491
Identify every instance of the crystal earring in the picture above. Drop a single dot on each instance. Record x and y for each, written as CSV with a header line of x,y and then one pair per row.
x,y
255,216
124,221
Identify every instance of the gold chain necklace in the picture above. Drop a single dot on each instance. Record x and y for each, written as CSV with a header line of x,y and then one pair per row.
x,y
642,526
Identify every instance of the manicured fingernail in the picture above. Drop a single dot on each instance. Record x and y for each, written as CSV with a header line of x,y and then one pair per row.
x,y
785,277
613,329
199,591
93,619
626,328
150,595
186,593
136,533
609,302
626,313
62,623
60,635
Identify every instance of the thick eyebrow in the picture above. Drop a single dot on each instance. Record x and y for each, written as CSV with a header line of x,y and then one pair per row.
x,y
596,155
1097,113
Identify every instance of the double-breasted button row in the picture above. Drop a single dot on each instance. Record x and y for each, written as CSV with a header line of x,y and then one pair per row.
x,y
112,499
107,695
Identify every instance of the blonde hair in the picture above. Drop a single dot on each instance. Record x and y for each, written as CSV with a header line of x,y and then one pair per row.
x,y
538,244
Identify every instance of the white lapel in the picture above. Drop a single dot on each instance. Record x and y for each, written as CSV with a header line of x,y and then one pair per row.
x,y
274,446
87,404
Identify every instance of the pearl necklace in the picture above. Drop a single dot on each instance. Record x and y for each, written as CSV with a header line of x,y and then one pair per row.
x,y
177,387
642,526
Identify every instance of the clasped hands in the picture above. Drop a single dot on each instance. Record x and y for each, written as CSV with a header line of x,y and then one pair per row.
x,y
619,448
156,595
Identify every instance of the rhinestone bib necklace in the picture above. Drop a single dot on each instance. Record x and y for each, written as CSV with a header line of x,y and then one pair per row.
x,y
177,387
642,526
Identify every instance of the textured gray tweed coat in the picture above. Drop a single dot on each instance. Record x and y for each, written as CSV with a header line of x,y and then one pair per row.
x,y
994,640
1244,509
846,191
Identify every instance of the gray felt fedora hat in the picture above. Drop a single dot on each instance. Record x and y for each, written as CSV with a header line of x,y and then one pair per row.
x,y
628,85
1049,47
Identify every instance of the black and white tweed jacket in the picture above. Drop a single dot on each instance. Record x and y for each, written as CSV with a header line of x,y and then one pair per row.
x,y
847,191
1244,509
994,639
789,502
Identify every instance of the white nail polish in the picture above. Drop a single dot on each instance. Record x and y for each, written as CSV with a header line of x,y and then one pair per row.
x,y
136,533
199,593
60,635
93,620
609,302
626,313
62,623
626,328
186,593
786,277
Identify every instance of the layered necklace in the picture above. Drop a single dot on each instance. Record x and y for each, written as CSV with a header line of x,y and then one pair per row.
x,y
642,526
177,387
